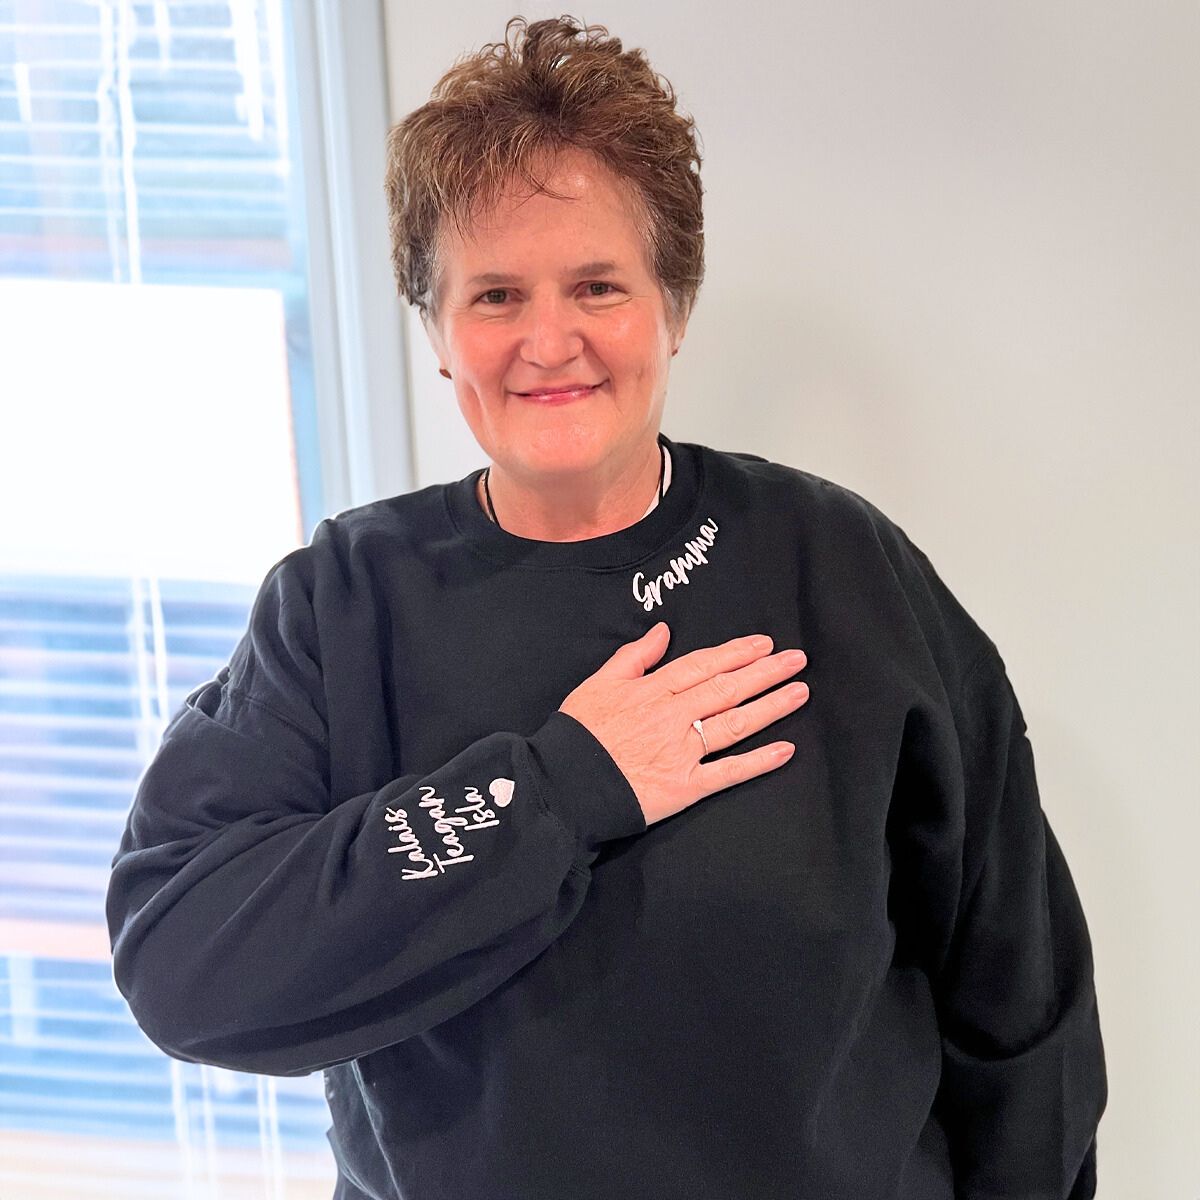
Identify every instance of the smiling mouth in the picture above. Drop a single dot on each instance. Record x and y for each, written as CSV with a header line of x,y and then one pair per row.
x,y
560,395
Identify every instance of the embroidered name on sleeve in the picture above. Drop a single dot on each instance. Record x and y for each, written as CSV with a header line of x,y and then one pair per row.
x,y
649,592
469,818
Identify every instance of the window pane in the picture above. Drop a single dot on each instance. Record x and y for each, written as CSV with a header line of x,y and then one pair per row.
x,y
158,454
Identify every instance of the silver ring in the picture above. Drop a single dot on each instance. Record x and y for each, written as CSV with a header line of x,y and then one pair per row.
x,y
698,726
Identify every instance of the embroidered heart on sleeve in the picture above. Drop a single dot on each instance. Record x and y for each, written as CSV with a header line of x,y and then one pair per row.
x,y
502,791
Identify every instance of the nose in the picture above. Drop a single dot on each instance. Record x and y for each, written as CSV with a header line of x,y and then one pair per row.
x,y
551,337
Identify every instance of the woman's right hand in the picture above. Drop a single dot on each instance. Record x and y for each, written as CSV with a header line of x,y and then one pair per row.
x,y
644,721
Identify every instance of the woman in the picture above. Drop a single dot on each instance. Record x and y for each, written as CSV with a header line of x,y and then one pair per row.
x,y
446,826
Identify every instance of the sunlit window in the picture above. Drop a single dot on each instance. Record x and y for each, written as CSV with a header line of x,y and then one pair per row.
x,y
157,455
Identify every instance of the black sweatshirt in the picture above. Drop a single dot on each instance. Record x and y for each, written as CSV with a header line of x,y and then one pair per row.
x,y
373,845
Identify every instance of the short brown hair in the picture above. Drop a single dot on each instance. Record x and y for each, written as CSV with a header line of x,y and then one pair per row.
x,y
496,116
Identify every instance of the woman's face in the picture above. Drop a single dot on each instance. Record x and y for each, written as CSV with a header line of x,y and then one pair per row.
x,y
555,330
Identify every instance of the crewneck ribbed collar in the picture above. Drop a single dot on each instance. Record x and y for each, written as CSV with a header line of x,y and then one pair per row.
x,y
612,551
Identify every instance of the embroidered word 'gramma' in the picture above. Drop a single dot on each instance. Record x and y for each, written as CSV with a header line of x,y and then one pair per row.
x,y
648,592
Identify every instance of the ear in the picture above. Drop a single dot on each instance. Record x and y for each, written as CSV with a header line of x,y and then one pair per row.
x,y
678,330
434,334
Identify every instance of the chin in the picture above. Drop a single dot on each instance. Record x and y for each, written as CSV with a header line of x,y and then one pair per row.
x,y
566,450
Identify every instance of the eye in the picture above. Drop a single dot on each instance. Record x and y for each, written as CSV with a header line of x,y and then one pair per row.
x,y
598,288
495,296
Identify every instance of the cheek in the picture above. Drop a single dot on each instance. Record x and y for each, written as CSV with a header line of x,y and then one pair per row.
x,y
478,356
639,345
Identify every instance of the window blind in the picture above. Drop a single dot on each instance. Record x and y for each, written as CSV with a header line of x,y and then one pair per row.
x,y
93,668
145,142
140,143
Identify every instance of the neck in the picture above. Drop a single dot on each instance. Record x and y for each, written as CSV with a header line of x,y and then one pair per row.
x,y
570,509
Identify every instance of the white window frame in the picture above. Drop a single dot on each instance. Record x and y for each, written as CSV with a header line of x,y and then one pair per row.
x,y
356,315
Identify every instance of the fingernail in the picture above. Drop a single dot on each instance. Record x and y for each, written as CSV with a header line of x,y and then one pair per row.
x,y
794,658
760,642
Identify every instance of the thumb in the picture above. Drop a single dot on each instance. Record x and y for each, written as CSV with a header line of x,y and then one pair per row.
x,y
634,659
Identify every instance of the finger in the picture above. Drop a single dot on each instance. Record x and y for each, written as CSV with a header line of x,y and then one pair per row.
x,y
728,772
729,688
728,728
700,665
634,659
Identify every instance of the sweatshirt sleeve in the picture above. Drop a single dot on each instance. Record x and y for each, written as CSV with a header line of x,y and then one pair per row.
x,y
257,925
993,908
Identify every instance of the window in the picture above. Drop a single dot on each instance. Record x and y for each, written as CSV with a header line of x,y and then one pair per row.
x,y
183,247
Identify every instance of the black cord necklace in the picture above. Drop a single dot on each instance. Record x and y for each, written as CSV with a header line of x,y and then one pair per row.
x,y
662,471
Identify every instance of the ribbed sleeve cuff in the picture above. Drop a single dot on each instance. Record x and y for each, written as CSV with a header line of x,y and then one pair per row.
x,y
581,785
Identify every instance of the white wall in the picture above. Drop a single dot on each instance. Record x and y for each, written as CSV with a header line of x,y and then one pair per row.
x,y
953,261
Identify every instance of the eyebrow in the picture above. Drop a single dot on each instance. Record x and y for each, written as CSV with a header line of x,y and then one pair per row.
x,y
600,267
498,279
